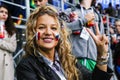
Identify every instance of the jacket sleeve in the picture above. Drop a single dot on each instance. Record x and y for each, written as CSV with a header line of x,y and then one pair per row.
x,y
9,44
97,74
24,71
76,25
101,75
85,74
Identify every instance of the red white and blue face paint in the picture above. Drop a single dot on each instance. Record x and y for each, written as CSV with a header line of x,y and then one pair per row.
x,y
57,36
38,36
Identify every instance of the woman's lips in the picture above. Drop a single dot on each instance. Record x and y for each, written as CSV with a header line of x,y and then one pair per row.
x,y
3,18
47,40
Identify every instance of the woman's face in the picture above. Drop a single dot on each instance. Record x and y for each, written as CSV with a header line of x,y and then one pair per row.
x,y
48,29
3,13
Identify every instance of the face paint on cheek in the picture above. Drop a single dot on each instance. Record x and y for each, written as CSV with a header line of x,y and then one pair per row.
x,y
57,36
38,36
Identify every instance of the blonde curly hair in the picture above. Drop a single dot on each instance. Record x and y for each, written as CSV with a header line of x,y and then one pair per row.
x,y
63,47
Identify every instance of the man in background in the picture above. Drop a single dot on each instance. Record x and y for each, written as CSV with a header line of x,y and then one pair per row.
x,y
84,47
40,2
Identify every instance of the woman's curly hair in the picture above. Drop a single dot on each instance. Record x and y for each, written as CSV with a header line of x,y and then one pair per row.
x,y
63,47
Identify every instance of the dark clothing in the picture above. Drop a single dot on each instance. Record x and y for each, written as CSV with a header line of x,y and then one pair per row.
x,y
116,60
34,68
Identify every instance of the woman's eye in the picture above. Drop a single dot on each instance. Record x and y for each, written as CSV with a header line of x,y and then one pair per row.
x,y
41,27
1,11
54,28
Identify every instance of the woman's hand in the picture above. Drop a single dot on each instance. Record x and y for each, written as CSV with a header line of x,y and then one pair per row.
x,y
102,48
100,40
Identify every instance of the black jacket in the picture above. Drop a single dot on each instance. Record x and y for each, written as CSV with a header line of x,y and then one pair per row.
x,y
34,68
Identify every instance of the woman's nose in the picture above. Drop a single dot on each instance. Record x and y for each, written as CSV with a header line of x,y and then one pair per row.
x,y
4,14
48,31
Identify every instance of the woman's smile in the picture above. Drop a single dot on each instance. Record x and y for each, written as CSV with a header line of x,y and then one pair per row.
x,y
47,40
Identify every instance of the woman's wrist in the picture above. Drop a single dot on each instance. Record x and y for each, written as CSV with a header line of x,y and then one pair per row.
x,y
102,67
102,59
101,62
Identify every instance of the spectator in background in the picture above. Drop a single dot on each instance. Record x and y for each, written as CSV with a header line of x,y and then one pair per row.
x,y
100,8
117,11
83,45
115,34
111,12
7,45
40,2
18,12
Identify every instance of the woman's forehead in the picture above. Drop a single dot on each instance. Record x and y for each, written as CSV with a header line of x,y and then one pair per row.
x,y
47,19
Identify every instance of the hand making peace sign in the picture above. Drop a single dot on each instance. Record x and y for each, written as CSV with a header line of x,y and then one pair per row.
x,y
100,40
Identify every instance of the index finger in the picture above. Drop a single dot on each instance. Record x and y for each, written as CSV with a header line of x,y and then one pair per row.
x,y
97,28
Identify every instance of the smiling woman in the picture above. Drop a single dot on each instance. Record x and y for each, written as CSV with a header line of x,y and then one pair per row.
x,y
51,41
48,51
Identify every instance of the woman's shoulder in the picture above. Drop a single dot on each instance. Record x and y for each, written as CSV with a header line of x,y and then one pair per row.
x,y
26,59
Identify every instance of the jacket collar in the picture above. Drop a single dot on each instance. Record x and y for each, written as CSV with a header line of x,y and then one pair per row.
x,y
47,61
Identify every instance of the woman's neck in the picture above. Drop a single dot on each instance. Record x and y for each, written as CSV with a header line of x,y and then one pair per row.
x,y
86,3
48,54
